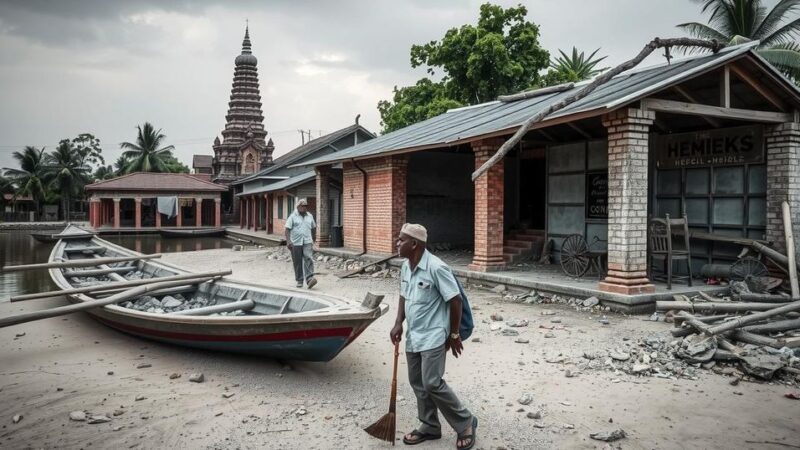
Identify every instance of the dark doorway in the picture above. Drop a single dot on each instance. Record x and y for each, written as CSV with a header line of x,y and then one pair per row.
x,y
532,193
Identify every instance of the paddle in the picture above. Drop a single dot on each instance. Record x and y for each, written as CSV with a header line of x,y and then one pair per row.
x,y
87,262
384,428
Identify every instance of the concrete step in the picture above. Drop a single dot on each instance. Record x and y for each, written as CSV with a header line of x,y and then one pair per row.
x,y
527,245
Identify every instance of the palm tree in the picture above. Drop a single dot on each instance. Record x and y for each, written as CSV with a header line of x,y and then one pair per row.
x,y
29,179
577,67
739,21
145,155
119,165
104,173
66,174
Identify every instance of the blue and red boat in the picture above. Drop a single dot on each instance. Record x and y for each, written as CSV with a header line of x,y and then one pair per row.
x,y
225,315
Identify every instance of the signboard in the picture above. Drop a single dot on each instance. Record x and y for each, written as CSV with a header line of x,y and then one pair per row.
x,y
597,195
724,147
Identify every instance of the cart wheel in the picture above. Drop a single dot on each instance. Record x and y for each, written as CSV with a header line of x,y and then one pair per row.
x,y
575,258
746,268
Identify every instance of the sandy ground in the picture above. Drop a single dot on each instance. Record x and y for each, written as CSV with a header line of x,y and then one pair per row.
x,y
66,364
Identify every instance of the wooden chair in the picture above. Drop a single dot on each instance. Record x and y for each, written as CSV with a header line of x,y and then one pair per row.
x,y
667,249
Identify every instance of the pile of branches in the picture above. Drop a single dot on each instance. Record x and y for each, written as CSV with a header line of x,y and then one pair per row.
x,y
760,332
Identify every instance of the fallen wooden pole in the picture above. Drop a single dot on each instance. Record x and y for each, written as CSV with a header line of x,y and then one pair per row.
x,y
714,307
756,339
771,253
95,272
693,322
116,298
774,327
750,318
244,305
678,319
790,248
361,269
117,285
87,262
766,298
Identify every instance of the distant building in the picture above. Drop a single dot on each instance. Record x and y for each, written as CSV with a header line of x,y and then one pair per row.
x,y
243,150
202,167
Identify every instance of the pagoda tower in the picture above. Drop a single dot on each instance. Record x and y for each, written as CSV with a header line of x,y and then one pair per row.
x,y
243,150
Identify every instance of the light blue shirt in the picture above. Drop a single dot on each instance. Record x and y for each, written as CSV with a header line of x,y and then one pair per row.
x,y
300,227
426,290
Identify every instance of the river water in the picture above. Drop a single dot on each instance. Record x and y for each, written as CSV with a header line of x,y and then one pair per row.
x,y
18,247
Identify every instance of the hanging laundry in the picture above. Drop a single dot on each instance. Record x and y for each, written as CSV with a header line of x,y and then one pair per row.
x,y
168,206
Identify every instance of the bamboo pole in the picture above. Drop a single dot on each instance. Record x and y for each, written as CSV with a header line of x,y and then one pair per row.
x,y
87,262
771,253
95,272
678,319
741,321
756,339
693,322
715,307
116,298
766,298
772,327
118,285
225,307
790,248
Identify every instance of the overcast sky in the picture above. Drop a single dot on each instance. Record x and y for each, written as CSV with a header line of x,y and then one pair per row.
x,y
102,66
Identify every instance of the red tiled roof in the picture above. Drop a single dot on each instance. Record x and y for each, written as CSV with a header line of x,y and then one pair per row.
x,y
202,161
151,181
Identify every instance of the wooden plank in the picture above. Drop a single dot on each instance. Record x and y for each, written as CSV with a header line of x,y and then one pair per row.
x,y
88,262
694,109
758,87
725,88
95,272
680,90
742,321
789,236
579,130
244,305
111,286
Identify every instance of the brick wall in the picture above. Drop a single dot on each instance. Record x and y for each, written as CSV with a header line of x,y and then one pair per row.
x,y
386,203
323,212
489,206
783,181
628,147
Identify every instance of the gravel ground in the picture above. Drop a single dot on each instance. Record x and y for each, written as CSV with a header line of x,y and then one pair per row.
x,y
61,365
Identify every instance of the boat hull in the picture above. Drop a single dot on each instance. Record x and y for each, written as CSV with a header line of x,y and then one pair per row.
x,y
214,232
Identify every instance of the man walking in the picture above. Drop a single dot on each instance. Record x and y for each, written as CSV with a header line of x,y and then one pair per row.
x,y
430,302
300,229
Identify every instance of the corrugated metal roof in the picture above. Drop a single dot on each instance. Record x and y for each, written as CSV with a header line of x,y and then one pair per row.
x,y
283,185
469,123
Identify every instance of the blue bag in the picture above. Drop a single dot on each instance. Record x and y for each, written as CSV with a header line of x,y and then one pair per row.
x,y
467,325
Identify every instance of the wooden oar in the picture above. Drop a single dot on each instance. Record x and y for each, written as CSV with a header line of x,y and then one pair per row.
x,y
112,286
95,272
244,305
87,262
116,298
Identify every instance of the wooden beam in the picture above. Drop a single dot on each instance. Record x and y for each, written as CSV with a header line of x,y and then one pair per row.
x,y
693,109
96,272
546,135
579,130
725,88
753,83
86,262
688,96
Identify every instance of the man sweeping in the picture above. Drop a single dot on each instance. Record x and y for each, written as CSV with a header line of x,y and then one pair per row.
x,y
431,304
300,229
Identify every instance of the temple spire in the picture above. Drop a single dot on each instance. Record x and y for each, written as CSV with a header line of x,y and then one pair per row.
x,y
246,49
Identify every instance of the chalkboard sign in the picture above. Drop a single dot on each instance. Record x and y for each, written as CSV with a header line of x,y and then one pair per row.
x,y
597,195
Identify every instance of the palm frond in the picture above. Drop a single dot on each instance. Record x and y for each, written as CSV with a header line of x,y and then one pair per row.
x,y
701,31
783,35
785,56
772,20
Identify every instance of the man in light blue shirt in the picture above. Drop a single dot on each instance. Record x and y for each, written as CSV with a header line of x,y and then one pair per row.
x,y
300,229
430,303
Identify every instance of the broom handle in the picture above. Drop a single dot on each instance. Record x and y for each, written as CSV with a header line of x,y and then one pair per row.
x,y
393,395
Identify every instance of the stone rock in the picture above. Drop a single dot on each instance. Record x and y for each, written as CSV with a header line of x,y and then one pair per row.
x,y
591,301
228,394
518,323
608,436
77,416
495,327
521,341
549,335
499,289
526,399
476,339
139,398
173,376
19,335
510,332
16,418
496,317
534,415
170,302
619,356
102,418
640,368
300,412
197,378
143,365
117,412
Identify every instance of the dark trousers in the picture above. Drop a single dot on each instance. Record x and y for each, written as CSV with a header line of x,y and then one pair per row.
x,y
303,260
425,371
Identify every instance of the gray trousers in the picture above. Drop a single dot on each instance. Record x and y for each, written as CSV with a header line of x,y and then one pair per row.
x,y
425,371
303,258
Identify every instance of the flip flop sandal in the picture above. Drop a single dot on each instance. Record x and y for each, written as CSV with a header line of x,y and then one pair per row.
x,y
420,437
471,437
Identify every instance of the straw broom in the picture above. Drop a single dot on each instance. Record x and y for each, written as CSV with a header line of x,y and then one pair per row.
x,y
384,428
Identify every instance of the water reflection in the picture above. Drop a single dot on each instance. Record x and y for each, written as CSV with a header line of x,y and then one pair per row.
x,y
18,247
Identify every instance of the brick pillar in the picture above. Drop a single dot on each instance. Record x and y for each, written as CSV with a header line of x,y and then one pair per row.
x,y
138,214
783,181
94,212
323,209
253,212
179,217
217,212
489,199
627,201
266,213
116,213
158,216
198,220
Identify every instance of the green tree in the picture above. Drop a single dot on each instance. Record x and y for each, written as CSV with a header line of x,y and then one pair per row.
x,y
573,68
29,179
414,104
104,173
499,55
175,166
66,174
145,155
739,21
119,165
88,148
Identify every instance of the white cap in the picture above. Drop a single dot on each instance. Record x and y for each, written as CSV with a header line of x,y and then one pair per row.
x,y
415,231
302,202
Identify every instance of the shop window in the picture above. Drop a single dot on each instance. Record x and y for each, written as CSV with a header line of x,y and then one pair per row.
x,y
567,158
671,206
280,207
757,180
757,212
729,180
697,210
565,220
728,211
566,188
697,181
290,204
597,156
669,182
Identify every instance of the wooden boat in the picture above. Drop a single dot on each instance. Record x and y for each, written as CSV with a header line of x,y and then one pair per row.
x,y
70,232
197,232
280,323
43,236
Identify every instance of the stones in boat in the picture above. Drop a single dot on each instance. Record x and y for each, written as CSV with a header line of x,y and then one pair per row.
x,y
168,303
